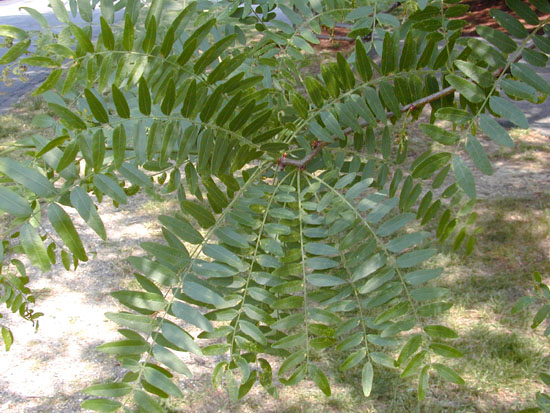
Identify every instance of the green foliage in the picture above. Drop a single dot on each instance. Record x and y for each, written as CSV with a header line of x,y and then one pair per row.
x,y
542,299
305,222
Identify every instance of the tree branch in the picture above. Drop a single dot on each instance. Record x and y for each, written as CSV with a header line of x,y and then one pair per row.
x,y
302,163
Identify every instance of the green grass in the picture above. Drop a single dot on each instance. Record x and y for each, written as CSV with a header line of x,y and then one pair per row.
x,y
16,125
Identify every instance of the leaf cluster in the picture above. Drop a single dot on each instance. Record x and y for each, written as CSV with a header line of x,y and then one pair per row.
x,y
307,214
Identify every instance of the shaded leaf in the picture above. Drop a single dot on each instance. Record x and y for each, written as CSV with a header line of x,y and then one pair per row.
x,y
63,225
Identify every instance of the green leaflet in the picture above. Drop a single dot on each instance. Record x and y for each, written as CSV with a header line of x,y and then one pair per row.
x,y
13,32
161,381
394,224
375,105
135,176
529,76
82,38
362,62
67,118
410,259
253,331
387,94
466,88
325,280
134,321
371,265
63,225
382,359
154,271
121,104
49,83
494,131
421,276
174,258
321,263
478,154
523,11
381,210
182,228
429,293
144,97
399,244
485,52
101,405
231,237
14,52
98,150
464,176
317,248
439,134
390,52
169,98
478,74
411,347
146,402
497,38
445,350
180,338
201,214
110,187
108,389
124,347
34,247
203,294
414,364
510,23
534,57
448,374
423,379
320,379
170,360
212,53
37,16
191,315
314,89
457,116
119,145
128,33
440,331
409,53
517,89
222,254
60,11
140,300
96,107
367,376
150,35
107,34
14,204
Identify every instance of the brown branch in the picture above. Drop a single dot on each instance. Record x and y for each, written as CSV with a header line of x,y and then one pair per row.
x,y
302,163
